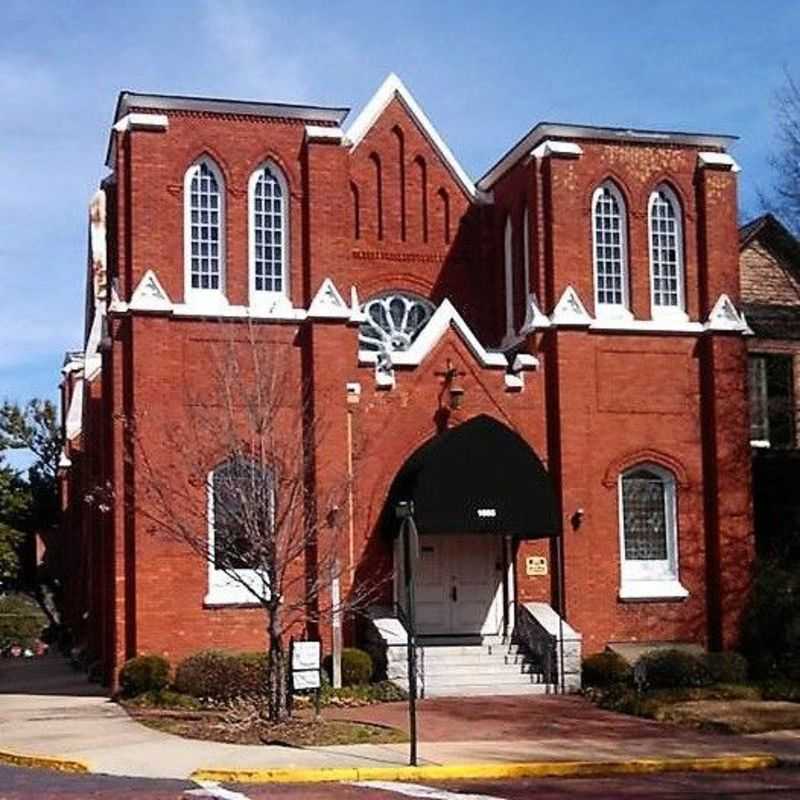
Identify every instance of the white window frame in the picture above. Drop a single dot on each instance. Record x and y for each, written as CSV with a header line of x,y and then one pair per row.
x,y
203,299
677,312
223,588
269,300
508,261
612,310
653,579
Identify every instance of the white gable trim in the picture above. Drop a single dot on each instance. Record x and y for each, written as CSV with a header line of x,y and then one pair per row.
x,y
323,133
139,121
570,311
443,318
375,107
718,160
357,316
328,303
150,295
553,147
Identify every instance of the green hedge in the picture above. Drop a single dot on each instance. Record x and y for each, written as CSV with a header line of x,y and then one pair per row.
x,y
357,667
727,667
220,675
605,669
144,674
673,669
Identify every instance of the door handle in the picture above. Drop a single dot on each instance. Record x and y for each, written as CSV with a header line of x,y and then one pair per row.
x,y
454,593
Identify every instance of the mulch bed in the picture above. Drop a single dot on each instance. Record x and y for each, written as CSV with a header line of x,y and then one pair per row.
x,y
301,731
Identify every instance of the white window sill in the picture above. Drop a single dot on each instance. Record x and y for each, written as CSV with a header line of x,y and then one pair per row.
x,y
606,312
759,443
667,314
225,591
665,589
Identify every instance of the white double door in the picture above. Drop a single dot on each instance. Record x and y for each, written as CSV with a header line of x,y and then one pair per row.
x,y
458,585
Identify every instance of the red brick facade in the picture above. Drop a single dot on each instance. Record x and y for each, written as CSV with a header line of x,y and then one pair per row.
x,y
392,212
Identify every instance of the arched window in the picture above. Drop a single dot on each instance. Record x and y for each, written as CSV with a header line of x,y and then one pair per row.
x,y
204,230
241,513
609,250
269,234
508,260
666,253
648,533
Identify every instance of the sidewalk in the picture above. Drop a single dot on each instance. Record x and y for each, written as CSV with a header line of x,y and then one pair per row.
x,y
90,728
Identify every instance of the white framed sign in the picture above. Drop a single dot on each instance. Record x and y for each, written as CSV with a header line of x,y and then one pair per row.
x,y
306,665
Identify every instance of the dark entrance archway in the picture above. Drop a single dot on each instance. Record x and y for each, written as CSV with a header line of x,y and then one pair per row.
x,y
474,491
479,478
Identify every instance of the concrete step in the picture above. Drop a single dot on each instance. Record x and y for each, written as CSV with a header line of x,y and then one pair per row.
x,y
472,690
449,650
483,668
494,679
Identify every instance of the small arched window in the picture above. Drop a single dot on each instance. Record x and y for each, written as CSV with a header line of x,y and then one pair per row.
x,y
666,253
269,241
609,250
241,513
204,229
648,533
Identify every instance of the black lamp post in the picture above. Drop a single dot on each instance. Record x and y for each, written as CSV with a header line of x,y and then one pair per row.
x,y
408,530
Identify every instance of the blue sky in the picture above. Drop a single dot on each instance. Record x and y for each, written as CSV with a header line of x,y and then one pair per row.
x,y
484,73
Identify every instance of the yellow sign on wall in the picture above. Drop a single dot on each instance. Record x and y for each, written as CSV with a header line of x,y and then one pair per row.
x,y
536,565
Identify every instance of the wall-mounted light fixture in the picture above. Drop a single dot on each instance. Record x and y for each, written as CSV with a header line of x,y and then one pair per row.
x,y
455,392
577,518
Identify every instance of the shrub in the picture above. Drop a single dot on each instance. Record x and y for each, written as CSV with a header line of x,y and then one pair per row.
x,y
727,667
605,669
781,689
165,698
673,669
218,675
22,622
356,667
144,674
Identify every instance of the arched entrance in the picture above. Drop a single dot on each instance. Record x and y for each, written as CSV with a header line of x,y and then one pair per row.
x,y
476,490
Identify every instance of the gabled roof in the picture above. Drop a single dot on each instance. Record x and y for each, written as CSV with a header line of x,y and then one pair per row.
x,y
556,130
774,235
393,87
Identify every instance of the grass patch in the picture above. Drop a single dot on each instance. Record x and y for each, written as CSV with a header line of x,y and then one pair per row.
x,y
724,708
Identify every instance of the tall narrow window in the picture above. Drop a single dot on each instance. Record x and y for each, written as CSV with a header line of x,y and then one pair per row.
x,y
666,253
648,534
526,253
610,251
269,244
240,524
508,258
771,385
204,225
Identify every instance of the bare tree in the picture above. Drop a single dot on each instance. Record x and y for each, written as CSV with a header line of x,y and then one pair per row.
x,y
245,464
785,162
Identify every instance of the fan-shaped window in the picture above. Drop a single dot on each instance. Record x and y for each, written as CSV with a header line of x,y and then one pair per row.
x,y
609,250
204,226
648,533
240,521
666,252
394,320
269,243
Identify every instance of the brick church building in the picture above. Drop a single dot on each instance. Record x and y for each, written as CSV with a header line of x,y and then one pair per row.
x,y
565,327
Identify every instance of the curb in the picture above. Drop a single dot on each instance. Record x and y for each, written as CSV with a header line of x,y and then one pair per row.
x,y
43,762
533,769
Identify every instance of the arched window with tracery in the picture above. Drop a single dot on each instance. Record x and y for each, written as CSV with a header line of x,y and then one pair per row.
x,y
666,253
648,533
609,250
204,230
268,207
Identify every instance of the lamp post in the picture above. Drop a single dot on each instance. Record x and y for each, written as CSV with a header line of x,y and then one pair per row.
x,y
408,530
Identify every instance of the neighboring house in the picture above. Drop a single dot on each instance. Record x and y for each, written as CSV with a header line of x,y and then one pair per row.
x,y
582,294
770,277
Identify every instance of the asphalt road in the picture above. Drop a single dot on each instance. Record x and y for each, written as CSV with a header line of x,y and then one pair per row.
x,y
771,784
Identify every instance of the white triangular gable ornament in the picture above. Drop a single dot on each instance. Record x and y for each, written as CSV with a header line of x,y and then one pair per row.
x,y
535,318
726,317
150,295
570,310
328,303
